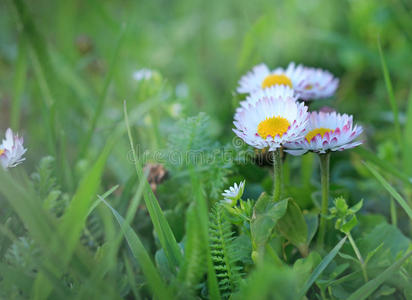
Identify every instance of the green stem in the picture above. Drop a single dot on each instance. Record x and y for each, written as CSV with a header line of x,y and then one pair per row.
x,y
359,256
324,179
277,170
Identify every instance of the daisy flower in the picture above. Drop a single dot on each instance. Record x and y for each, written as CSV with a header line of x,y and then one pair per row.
x,y
308,83
327,132
11,150
276,91
234,193
271,118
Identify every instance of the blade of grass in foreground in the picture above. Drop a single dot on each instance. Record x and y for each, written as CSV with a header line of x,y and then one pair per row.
x,y
368,288
203,220
390,189
392,99
321,267
162,228
154,280
110,252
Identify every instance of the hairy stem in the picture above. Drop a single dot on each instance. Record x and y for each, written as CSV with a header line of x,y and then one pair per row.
x,y
277,170
324,179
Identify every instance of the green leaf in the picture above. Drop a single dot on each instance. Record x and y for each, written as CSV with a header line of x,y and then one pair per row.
x,y
372,253
161,226
155,282
312,223
385,241
354,209
321,267
348,226
341,205
305,266
368,288
390,189
293,225
264,221
349,257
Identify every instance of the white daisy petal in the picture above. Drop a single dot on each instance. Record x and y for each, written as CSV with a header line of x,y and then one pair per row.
x,y
327,132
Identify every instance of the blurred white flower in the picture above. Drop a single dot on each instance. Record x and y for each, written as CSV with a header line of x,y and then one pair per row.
x,y
308,83
143,74
11,150
176,109
234,193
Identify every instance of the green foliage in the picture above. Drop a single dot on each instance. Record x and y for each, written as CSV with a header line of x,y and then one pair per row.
x,y
264,220
321,267
224,254
191,144
157,285
345,216
293,227
195,257
45,184
269,282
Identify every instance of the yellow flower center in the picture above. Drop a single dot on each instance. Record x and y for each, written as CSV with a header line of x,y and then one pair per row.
x,y
273,126
2,151
274,79
317,131
308,87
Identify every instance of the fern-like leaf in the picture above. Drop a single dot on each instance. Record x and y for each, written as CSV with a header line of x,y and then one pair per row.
x,y
191,144
224,255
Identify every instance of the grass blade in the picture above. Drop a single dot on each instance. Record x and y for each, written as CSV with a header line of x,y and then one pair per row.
x,y
368,288
102,99
42,68
203,220
390,189
162,228
391,95
154,280
321,267
389,168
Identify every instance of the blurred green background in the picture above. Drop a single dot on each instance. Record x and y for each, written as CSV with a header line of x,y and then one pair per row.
x,y
67,66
